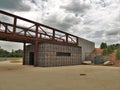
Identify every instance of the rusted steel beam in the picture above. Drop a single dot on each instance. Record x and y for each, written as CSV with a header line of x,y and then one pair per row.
x,y
53,37
66,38
20,27
24,51
14,25
5,28
77,41
35,33
12,15
36,48
16,38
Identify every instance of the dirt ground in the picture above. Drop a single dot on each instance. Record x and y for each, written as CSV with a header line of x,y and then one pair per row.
x,y
15,76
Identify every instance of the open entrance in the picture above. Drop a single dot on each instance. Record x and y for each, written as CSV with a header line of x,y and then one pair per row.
x,y
31,58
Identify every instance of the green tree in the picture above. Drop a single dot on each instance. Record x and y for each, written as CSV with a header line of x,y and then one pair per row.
x,y
118,54
4,53
103,45
14,53
105,52
110,49
19,53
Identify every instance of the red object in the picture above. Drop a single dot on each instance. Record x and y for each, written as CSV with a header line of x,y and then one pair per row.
x,y
14,32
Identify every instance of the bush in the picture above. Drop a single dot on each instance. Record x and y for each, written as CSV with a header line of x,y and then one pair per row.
x,y
118,54
108,50
105,52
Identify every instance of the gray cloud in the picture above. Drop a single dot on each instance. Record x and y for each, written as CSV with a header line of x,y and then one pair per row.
x,y
113,32
96,34
76,7
15,5
64,23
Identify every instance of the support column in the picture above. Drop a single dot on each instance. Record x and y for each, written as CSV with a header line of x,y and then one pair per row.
x,y
66,38
5,28
14,25
36,48
53,38
24,51
77,41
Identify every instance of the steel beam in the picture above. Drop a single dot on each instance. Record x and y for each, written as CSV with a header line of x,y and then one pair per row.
x,y
24,51
36,48
14,25
30,21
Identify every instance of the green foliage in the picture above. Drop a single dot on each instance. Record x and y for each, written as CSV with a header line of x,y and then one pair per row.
x,y
118,54
105,52
4,53
110,49
16,53
103,45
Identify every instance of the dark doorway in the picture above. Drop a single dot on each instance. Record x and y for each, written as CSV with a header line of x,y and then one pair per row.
x,y
31,58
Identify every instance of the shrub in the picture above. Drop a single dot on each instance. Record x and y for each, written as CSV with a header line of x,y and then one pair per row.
x,y
105,52
118,54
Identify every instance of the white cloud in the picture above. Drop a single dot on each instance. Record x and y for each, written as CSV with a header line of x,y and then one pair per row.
x,y
96,20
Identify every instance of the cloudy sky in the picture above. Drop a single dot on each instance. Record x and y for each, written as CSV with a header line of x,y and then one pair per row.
x,y
95,20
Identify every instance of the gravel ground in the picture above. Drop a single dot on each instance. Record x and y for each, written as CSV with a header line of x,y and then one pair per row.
x,y
14,76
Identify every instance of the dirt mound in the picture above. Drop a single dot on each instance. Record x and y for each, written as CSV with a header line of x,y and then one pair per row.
x,y
111,57
97,52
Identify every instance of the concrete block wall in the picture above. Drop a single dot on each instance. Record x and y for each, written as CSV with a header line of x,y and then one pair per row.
x,y
28,49
87,47
47,55
51,58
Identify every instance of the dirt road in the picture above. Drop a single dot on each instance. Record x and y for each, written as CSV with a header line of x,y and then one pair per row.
x,y
82,77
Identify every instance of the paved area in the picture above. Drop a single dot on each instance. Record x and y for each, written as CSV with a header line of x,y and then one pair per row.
x,y
15,76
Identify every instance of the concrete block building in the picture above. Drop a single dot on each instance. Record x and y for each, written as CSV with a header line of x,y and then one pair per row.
x,y
52,54
86,47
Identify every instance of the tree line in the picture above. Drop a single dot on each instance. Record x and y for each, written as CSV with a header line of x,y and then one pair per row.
x,y
14,53
108,49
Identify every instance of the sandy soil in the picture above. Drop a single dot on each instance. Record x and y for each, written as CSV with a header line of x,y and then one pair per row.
x,y
14,76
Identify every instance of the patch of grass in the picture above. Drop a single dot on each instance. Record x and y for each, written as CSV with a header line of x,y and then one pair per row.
x,y
11,59
15,60
3,59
